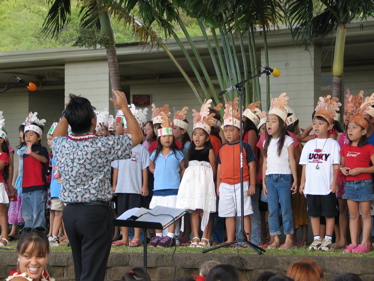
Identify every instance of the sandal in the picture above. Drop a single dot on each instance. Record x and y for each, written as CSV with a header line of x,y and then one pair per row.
x,y
3,243
203,243
272,246
134,243
360,249
194,243
286,247
12,238
119,243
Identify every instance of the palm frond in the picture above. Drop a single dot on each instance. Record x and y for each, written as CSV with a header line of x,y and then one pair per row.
x,y
58,16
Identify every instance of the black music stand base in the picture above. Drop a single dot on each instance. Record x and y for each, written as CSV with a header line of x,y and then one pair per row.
x,y
145,248
240,238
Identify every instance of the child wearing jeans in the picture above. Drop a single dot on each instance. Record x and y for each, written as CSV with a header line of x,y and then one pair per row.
x,y
279,173
34,183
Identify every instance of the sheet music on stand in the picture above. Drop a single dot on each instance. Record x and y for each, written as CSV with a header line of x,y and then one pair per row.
x,y
164,216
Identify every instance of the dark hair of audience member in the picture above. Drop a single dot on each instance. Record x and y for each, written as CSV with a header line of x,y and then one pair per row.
x,y
223,272
136,274
280,278
185,279
206,267
264,276
347,277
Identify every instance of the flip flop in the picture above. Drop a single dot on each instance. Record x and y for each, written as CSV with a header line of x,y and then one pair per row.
x,y
286,247
272,246
119,243
135,243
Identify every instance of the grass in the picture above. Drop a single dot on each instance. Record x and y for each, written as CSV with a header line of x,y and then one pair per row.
x,y
302,251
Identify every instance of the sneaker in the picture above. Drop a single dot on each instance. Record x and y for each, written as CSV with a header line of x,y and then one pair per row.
x,y
54,242
326,245
166,242
315,245
154,241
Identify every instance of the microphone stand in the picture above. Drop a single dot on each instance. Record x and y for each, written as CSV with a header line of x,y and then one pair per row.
x,y
20,81
10,87
241,237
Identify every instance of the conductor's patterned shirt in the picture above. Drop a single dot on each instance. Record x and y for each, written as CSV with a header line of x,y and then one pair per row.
x,y
83,162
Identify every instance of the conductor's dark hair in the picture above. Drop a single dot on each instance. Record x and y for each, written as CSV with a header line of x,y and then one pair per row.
x,y
79,114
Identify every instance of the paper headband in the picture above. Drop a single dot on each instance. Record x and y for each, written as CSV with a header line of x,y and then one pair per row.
x,y
278,106
3,135
180,123
53,127
33,128
231,122
202,125
165,132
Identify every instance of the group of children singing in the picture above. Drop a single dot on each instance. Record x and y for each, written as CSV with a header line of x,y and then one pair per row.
x,y
331,172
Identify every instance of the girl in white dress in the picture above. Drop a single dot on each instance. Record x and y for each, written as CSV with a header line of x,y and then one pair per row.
x,y
197,191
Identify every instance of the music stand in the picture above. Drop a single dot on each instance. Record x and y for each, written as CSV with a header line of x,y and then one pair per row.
x,y
145,225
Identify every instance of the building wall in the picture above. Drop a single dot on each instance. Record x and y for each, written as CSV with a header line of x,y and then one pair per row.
x,y
49,104
15,105
300,79
358,78
174,92
91,80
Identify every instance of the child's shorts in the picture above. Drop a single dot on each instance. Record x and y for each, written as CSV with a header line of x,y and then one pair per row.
x,y
322,205
127,201
359,190
57,205
164,201
229,200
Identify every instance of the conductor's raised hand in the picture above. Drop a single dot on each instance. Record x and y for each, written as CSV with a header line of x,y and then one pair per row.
x,y
121,101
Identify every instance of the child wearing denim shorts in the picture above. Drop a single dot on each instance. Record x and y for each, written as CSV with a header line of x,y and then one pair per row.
x,y
357,165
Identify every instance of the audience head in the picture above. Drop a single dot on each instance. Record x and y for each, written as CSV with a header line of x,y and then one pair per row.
x,y
206,267
280,278
136,274
265,276
33,250
223,272
347,277
305,270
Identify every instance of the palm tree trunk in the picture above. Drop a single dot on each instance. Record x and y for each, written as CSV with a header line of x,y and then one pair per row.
x,y
338,63
107,30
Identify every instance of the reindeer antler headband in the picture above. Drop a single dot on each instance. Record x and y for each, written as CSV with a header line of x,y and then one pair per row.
x,y
327,108
179,117
203,119
231,116
32,119
278,106
251,112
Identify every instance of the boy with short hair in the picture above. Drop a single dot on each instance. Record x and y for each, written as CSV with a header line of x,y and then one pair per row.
x,y
320,159
228,174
